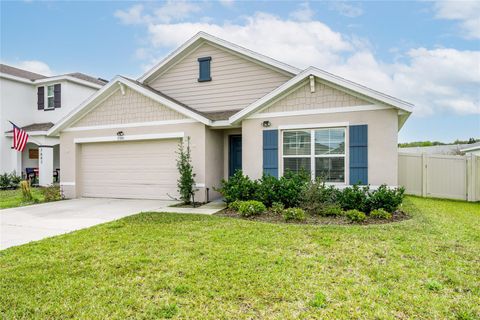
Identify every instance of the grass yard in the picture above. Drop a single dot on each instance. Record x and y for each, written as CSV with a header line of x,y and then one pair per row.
x,y
157,265
13,198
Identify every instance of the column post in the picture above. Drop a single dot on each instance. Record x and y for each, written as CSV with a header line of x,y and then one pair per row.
x,y
45,165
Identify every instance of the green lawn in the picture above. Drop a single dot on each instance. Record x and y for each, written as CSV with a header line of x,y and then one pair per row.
x,y
13,198
157,265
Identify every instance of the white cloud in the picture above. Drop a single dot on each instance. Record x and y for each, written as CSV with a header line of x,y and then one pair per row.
x,y
304,13
134,15
466,12
298,43
345,9
433,79
169,12
35,66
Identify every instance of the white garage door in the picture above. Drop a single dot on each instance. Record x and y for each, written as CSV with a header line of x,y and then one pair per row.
x,y
133,169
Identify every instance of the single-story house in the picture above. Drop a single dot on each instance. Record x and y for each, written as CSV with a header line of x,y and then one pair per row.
x,y
241,110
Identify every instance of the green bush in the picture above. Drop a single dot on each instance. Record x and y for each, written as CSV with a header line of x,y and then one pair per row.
x,y
297,214
238,187
14,180
186,180
251,208
385,198
380,214
354,197
355,215
316,196
277,208
291,185
234,205
333,210
5,181
267,191
52,193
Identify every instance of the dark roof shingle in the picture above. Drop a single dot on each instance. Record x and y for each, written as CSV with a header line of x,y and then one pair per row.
x,y
20,73
36,127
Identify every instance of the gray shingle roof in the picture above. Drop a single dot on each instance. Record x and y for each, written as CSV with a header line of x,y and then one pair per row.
x,y
20,73
35,76
36,127
86,77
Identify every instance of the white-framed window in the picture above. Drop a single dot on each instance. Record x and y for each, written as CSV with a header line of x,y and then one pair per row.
x,y
50,97
321,152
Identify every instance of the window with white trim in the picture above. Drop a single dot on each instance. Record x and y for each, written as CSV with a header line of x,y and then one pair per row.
x,y
50,103
321,152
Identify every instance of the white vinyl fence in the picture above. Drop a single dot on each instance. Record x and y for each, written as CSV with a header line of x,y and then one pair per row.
x,y
440,176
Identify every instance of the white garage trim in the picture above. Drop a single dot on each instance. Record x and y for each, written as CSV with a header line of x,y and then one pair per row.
x,y
67,183
135,137
131,125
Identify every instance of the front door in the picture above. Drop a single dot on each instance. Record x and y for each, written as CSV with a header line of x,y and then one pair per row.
x,y
234,154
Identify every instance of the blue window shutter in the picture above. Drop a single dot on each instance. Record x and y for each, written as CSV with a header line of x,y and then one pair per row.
x,y
270,152
204,69
358,154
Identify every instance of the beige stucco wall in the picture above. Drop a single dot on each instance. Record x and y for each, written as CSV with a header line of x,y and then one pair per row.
x,y
129,108
324,97
236,81
70,152
214,160
382,141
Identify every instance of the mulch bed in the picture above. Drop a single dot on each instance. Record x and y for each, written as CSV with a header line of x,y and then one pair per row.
x,y
183,205
314,219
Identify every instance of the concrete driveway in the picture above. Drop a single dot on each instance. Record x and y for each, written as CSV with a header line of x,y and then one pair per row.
x,y
25,224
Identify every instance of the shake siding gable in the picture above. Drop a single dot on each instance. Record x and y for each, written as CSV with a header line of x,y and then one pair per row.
x,y
236,82
324,97
132,107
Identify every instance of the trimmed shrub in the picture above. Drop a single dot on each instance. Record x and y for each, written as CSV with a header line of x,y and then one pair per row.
x,y
5,181
354,197
332,211
52,193
385,198
316,196
291,185
297,214
26,191
277,208
238,187
380,214
14,180
355,215
251,208
234,205
267,191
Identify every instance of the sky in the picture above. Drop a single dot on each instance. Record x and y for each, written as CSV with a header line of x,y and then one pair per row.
x,y
425,52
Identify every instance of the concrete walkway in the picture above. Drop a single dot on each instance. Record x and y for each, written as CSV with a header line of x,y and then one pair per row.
x,y
209,208
31,223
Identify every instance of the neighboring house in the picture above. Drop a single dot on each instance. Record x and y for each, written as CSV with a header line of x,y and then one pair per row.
x,y
241,110
473,148
35,103
447,149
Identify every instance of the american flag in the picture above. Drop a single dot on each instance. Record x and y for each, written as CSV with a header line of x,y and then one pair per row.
x,y
20,138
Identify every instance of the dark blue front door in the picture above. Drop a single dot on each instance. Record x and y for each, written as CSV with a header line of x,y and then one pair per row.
x,y
234,154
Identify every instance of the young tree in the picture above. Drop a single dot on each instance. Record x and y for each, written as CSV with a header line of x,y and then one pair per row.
x,y
186,181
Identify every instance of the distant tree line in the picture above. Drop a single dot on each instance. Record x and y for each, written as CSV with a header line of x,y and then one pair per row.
x,y
435,143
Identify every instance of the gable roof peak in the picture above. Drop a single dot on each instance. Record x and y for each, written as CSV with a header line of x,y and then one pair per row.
x,y
203,37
